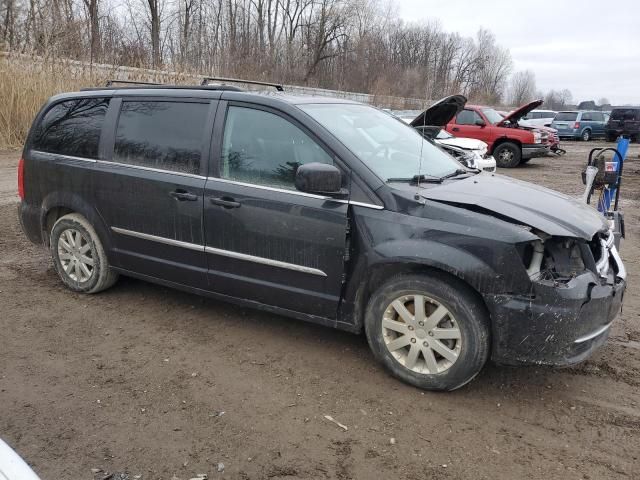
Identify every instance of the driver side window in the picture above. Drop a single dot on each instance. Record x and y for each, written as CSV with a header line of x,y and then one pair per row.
x,y
265,149
467,117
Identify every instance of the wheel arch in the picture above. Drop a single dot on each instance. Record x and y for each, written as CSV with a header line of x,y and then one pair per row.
x,y
472,277
57,204
503,140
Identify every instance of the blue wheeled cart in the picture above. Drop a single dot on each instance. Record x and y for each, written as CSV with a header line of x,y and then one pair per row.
x,y
603,178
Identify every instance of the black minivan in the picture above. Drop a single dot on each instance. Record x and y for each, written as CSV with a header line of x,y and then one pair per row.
x,y
324,210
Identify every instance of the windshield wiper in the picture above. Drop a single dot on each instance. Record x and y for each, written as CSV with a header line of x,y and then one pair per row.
x,y
418,179
454,174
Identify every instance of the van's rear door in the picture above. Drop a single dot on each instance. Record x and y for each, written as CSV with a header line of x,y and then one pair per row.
x,y
152,185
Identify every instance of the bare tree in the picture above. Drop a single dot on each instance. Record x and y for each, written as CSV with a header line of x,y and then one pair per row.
x,y
522,88
92,7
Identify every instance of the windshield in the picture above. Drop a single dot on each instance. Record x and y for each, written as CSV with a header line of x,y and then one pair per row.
x,y
493,116
566,117
388,147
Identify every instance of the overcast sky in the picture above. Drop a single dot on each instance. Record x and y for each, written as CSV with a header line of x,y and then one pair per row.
x,y
591,47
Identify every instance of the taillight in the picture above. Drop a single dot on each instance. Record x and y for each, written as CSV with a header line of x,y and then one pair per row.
x,y
576,125
21,179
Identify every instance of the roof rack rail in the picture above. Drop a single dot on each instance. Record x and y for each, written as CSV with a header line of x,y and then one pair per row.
x,y
206,80
129,82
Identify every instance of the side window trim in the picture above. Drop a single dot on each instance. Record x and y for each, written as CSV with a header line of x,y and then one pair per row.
x,y
372,200
46,109
219,130
108,137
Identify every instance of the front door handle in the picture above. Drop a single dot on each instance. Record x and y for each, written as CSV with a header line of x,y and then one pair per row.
x,y
226,202
183,195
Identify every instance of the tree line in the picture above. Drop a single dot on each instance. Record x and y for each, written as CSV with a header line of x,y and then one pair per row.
x,y
353,45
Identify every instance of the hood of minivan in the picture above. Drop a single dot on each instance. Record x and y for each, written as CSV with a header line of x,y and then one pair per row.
x,y
520,112
441,112
541,208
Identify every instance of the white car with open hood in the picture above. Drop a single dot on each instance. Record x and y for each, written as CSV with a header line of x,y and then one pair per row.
x,y
468,151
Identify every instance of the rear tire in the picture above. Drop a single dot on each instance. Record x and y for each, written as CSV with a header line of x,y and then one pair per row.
x,y
443,345
586,135
78,255
507,155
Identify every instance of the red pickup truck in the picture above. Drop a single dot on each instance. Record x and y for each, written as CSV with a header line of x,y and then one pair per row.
x,y
509,143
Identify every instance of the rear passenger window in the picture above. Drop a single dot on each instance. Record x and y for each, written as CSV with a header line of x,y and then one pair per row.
x,y
72,128
467,117
263,148
162,135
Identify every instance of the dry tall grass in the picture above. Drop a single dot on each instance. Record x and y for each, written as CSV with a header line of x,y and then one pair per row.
x,y
25,84
24,87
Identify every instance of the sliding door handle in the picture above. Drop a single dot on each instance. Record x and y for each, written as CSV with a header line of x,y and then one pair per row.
x,y
183,195
226,202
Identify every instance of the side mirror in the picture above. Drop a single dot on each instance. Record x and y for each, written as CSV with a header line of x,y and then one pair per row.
x,y
319,178
480,123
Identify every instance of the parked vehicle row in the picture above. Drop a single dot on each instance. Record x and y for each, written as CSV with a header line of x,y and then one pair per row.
x,y
327,211
624,121
580,125
470,152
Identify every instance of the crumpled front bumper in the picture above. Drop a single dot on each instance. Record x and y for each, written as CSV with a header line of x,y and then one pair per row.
x,y
559,324
534,151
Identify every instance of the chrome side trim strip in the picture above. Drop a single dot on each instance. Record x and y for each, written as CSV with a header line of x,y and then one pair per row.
x,y
265,261
215,179
366,205
154,238
151,169
66,157
271,189
295,192
126,165
219,251
595,334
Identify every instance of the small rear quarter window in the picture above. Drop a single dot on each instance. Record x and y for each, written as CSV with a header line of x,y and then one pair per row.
x,y
72,128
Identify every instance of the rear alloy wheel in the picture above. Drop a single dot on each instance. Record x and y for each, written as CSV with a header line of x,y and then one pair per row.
x,y
586,135
507,155
78,255
430,331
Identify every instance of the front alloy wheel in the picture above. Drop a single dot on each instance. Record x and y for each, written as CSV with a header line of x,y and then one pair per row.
x,y
429,330
421,334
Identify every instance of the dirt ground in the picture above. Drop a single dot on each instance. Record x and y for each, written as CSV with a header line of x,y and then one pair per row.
x,y
163,384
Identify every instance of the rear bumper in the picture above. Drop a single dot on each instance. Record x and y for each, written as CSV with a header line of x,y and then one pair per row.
x,y
555,325
30,222
534,151
616,132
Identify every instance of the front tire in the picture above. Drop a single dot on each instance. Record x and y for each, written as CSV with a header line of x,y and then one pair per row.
x,y
507,155
78,255
429,331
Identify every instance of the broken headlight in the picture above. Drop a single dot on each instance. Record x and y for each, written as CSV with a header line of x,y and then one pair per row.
x,y
553,258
